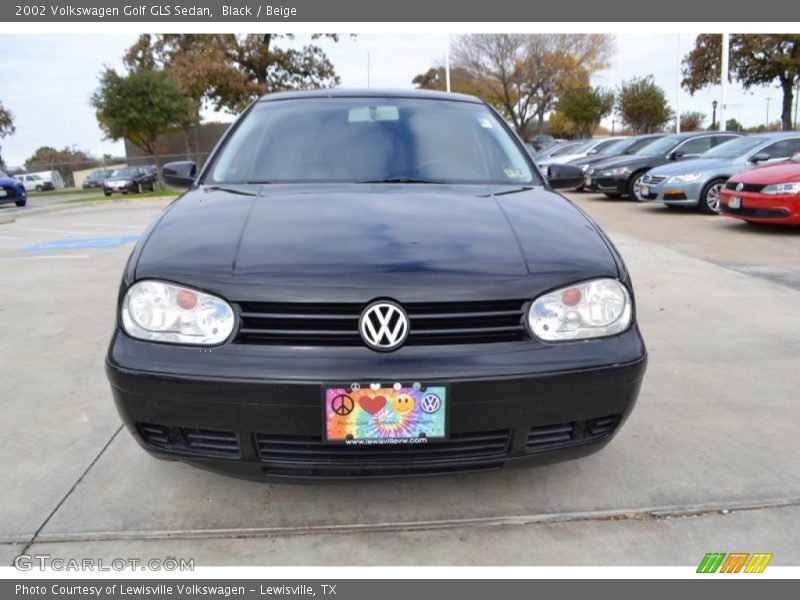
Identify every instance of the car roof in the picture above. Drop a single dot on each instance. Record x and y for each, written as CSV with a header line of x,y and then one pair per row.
x,y
371,93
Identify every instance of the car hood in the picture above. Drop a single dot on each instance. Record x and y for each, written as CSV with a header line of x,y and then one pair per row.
x,y
695,165
783,172
357,242
8,182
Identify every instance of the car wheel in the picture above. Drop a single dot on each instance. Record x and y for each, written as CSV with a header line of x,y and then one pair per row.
x,y
38,188
139,188
709,198
614,196
106,193
21,203
634,184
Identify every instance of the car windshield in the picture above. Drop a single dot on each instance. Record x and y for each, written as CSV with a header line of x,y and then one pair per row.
x,y
661,146
371,140
564,149
635,144
124,172
3,173
736,147
610,147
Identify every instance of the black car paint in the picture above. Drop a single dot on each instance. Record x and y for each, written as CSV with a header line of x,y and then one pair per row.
x,y
311,243
144,179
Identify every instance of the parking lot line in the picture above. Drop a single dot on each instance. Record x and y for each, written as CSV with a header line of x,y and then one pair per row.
x,y
43,230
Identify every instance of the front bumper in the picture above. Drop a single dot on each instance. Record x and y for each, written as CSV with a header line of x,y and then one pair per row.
x,y
593,182
257,410
679,194
762,208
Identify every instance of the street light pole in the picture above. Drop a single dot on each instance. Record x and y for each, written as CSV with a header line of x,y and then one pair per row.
x,y
714,116
766,125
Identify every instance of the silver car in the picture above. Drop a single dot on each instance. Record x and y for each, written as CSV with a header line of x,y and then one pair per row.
x,y
697,182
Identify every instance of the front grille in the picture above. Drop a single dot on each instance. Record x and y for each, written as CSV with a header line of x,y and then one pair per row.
x,y
194,441
337,324
747,187
573,433
653,179
758,213
11,192
308,456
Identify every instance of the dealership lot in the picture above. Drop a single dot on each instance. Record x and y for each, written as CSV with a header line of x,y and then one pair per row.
x,y
707,462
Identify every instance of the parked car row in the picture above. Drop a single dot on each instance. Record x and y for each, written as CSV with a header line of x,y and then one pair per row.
x,y
755,177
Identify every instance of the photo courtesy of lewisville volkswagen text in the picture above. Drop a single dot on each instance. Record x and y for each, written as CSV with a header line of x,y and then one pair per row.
x,y
318,303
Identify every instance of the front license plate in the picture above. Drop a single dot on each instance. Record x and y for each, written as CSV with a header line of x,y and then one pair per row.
x,y
587,181
644,190
734,202
374,414
2,193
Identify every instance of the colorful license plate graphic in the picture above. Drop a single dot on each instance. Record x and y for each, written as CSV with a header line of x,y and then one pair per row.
x,y
735,202
376,414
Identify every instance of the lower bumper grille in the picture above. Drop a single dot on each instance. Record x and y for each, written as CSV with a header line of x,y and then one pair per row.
x,y
11,192
197,441
758,213
303,456
574,433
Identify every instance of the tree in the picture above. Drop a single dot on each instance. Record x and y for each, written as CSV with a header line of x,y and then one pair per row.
x,y
524,75
755,60
642,105
560,126
229,71
142,106
733,125
6,126
692,120
585,107
64,161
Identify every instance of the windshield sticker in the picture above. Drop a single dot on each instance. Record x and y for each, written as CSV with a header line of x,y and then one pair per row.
x,y
485,123
514,173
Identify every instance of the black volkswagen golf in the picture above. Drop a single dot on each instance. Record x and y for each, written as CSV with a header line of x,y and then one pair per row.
x,y
370,284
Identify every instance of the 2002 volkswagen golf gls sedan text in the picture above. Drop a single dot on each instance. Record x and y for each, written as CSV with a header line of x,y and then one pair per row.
x,y
365,284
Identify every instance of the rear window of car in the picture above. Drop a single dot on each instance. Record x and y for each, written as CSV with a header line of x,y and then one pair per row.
x,y
370,140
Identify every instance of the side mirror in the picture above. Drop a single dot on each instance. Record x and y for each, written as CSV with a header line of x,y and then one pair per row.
x,y
564,176
676,154
760,157
180,174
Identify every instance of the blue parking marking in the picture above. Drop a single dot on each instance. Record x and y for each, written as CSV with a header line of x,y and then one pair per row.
x,y
83,243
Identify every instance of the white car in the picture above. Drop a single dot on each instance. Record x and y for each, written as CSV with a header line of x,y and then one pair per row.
x,y
35,182
591,147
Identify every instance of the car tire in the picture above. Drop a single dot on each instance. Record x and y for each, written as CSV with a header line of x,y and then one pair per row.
x,y
139,188
39,188
709,197
21,203
106,193
633,184
613,196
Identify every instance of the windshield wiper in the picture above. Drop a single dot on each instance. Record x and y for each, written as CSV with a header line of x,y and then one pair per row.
x,y
398,180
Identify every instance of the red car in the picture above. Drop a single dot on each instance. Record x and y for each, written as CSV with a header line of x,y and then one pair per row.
x,y
768,194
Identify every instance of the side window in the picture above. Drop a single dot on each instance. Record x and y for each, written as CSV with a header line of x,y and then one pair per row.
x,y
721,139
782,149
695,146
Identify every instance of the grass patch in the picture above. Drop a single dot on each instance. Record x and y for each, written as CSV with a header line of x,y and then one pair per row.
x,y
65,192
118,197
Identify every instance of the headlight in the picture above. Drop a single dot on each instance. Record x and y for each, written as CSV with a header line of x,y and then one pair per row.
x,y
617,172
685,178
162,312
780,189
590,309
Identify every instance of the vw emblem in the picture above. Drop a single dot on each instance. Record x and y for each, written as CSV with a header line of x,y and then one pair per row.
x,y
430,403
739,187
384,326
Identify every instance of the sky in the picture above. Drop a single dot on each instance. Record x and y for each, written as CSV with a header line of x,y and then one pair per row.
x,y
47,80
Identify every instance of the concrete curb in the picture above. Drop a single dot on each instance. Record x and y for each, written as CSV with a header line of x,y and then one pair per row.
x,y
41,210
